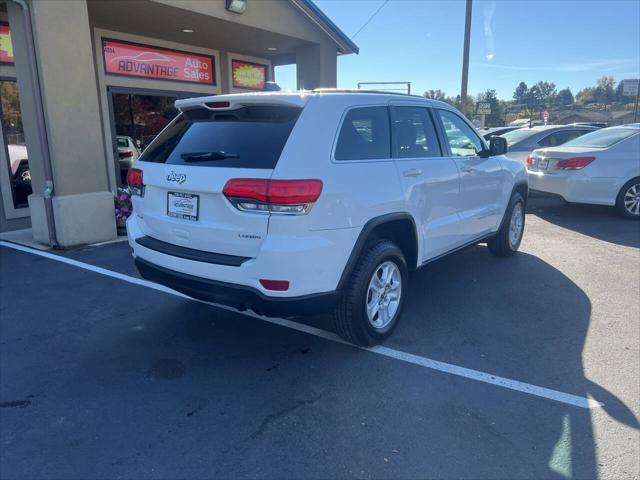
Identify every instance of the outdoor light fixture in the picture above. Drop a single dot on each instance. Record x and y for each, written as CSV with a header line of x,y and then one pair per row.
x,y
236,6
187,30
272,49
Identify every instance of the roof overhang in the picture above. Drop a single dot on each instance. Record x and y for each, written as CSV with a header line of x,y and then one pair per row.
x,y
317,16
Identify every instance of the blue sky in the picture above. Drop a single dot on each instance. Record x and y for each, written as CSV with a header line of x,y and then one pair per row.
x,y
570,43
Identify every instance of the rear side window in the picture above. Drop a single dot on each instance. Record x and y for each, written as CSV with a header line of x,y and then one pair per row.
x,y
364,135
249,137
603,138
414,133
558,138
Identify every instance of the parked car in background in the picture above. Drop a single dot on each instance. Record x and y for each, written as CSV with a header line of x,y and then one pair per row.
x,y
289,203
601,167
128,152
489,132
20,173
523,141
591,124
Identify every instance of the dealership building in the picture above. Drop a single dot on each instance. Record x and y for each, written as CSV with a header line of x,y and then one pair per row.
x,y
85,84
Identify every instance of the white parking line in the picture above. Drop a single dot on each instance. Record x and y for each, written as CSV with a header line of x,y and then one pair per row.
x,y
570,399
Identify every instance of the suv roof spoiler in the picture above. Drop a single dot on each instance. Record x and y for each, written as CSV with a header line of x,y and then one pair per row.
x,y
239,100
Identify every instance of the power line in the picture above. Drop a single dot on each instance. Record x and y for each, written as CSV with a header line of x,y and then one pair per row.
x,y
370,18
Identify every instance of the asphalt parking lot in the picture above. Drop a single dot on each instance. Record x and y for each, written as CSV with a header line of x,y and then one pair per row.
x,y
102,377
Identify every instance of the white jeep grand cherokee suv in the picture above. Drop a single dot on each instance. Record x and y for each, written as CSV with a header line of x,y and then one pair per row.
x,y
294,203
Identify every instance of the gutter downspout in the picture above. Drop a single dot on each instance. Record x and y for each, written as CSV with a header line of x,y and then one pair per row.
x,y
42,132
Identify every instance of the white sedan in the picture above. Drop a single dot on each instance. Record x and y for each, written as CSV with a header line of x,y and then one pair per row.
x,y
601,168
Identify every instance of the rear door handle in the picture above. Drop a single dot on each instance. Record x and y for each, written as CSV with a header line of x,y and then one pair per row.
x,y
412,172
468,169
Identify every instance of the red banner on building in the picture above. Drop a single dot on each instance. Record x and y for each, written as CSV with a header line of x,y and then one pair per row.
x,y
6,47
251,76
135,60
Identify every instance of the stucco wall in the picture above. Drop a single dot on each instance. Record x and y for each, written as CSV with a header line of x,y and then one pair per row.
x,y
70,95
273,15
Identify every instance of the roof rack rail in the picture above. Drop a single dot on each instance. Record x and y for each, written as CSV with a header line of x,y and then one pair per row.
x,y
357,90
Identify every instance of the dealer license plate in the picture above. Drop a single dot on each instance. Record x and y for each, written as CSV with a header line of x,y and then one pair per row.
x,y
183,205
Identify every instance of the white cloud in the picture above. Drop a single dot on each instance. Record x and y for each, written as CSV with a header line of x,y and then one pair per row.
x,y
603,65
488,32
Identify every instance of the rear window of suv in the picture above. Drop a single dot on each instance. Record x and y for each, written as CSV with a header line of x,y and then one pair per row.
x,y
248,137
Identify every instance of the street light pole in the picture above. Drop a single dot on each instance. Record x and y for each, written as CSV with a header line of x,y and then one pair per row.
x,y
635,110
465,59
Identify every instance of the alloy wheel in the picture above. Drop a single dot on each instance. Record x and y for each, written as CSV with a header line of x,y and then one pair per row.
x,y
516,224
383,295
632,199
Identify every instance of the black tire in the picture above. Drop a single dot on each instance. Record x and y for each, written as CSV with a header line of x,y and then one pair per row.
x,y
620,205
501,244
350,315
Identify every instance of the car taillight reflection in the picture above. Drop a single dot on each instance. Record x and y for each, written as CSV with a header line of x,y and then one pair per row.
x,y
135,181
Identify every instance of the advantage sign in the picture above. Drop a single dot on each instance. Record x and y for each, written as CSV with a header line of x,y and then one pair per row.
x,y
630,87
251,76
483,108
136,60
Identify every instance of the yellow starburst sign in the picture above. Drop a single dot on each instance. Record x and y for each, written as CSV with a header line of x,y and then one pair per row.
x,y
248,75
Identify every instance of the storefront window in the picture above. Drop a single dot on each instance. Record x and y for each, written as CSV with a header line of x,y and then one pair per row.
x,y
16,148
138,119
141,117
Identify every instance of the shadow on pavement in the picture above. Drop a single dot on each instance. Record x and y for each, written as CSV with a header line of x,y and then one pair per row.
x,y
520,318
124,381
600,222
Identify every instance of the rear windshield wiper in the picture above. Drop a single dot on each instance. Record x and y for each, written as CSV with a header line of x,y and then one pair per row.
x,y
206,156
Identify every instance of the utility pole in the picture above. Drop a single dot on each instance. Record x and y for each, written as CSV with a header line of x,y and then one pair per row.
x,y
635,110
465,59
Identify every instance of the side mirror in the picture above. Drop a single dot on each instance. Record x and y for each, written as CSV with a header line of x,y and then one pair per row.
x,y
497,146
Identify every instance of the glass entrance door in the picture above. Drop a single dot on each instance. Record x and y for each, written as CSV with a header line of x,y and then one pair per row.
x,y
16,148
137,119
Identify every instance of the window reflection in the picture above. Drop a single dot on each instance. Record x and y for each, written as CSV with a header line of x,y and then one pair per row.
x,y
16,154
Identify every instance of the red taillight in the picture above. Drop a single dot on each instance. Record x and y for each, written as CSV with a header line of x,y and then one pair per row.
x,y
292,197
126,154
249,188
575,163
135,182
278,285
291,192
530,160
217,104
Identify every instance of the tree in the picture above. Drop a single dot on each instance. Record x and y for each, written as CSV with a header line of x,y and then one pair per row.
x,y
12,121
496,118
605,90
547,91
564,97
435,95
534,97
586,95
470,104
521,92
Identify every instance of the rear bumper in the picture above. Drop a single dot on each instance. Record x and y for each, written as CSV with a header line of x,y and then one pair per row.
x,y
240,297
575,186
